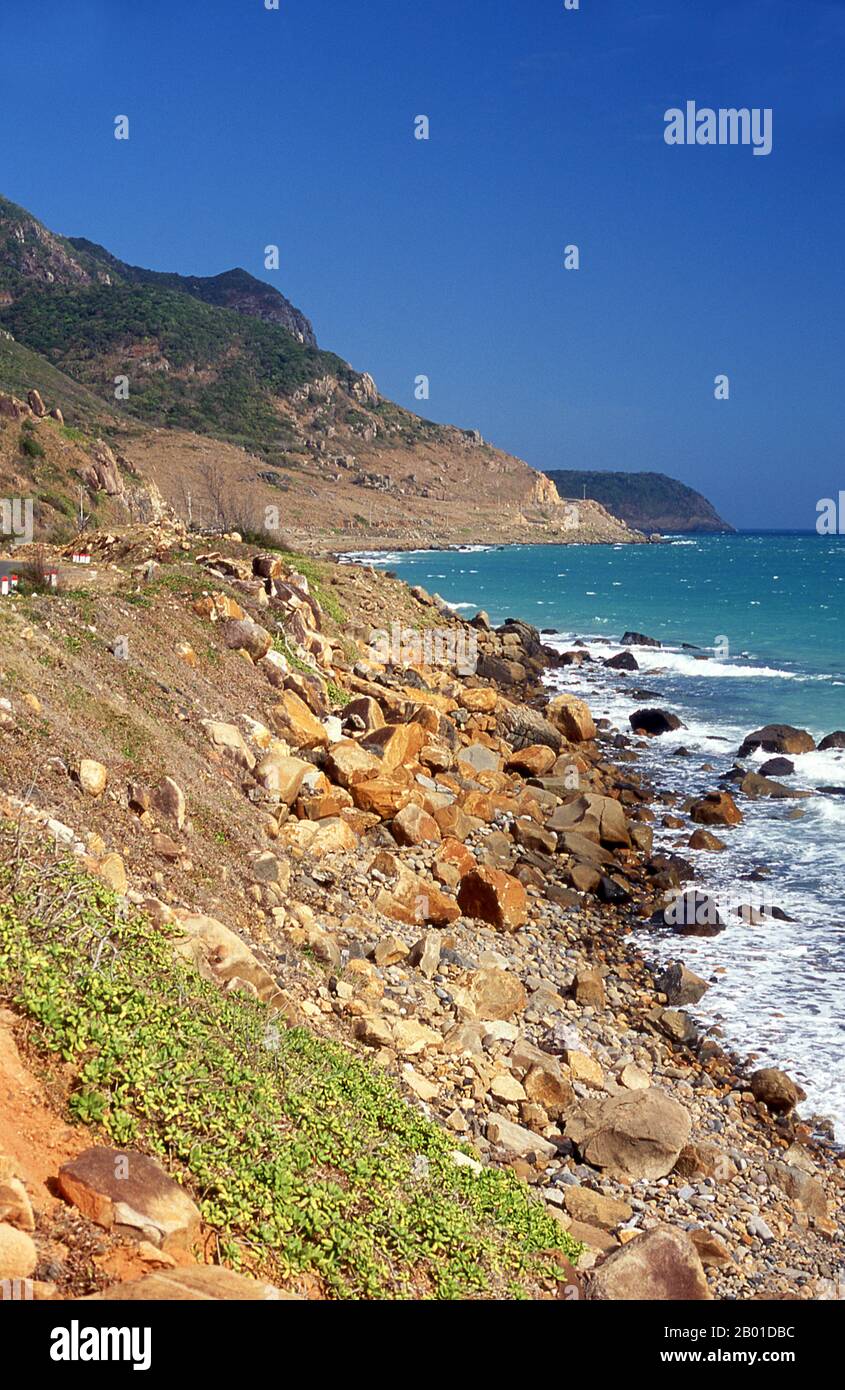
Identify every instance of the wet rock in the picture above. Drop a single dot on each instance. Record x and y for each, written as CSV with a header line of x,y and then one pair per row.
x,y
654,722
637,639
834,740
777,738
693,913
754,786
706,840
680,985
778,1092
777,767
716,808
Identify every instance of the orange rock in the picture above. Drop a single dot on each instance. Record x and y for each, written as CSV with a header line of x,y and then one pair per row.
x,y
292,718
478,804
414,826
534,761
397,745
349,763
572,716
384,796
453,822
481,701
494,897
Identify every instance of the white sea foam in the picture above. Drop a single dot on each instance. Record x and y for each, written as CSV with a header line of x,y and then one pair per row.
x,y
778,994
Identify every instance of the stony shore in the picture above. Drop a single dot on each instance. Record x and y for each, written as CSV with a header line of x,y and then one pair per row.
x,y
455,876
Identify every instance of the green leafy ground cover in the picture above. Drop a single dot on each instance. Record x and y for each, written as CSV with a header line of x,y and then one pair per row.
x,y
302,1156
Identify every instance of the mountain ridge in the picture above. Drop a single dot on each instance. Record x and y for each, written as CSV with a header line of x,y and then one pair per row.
x,y
209,389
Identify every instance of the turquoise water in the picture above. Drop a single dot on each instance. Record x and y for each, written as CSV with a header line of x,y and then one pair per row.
x,y
768,611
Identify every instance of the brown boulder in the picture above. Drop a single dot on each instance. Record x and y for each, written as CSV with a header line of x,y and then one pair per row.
x,y
534,761
716,808
496,994
293,720
778,1092
777,738
572,716
495,897
115,1188
414,826
634,1135
242,634
661,1265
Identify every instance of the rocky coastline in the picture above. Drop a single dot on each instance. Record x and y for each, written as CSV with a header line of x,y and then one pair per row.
x,y
453,875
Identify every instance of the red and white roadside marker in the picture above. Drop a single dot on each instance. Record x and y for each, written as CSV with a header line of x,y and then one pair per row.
x,y
4,585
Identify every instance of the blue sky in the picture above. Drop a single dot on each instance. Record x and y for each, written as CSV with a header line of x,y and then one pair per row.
x,y
445,257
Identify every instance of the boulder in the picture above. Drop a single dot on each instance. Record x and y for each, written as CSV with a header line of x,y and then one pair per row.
x,y
637,639
777,767
479,758
193,1284
92,777
320,837
414,826
413,899
834,740
495,897
599,818
693,913
588,987
624,661
523,727
548,1085
778,738
777,1091
482,700
280,773
632,1135
349,763
661,1265
572,717
496,994
18,1255
168,800
242,634
396,745
382,796
654,722
515,1140
594,1209
716,808
533,761
706,840
680,985
229,740
293,720
755,786
220,955
113,1188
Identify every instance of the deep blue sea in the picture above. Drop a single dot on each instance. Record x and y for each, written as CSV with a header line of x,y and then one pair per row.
x,y
768,611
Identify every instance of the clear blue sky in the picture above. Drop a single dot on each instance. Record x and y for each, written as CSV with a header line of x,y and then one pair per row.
x,y
446,258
